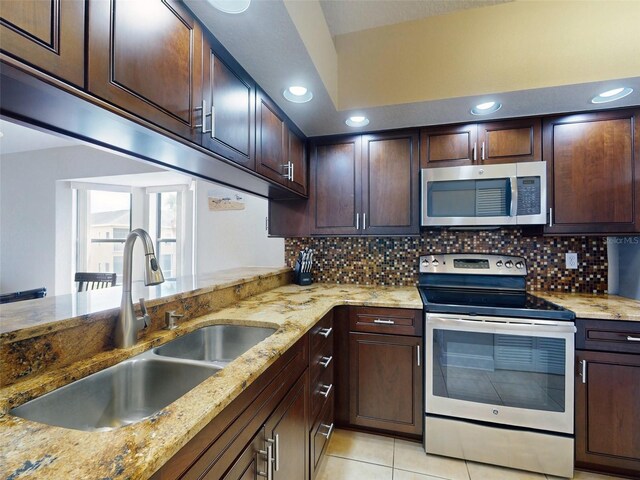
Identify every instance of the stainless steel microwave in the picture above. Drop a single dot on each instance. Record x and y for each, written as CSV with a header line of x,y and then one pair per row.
x,y
507,194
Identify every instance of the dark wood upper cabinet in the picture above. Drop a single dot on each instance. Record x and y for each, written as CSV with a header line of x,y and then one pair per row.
x,y
448,146
490,143
390,199
335,201
228,128
271,140
365,185
593,176
297,155
510,141
146,57
385,383
607,414
47,35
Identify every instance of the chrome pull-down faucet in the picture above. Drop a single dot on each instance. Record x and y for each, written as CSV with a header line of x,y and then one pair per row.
x,y
128,325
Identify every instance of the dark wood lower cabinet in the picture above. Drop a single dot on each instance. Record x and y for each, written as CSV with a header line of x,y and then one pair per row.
x,y
385,383
608,412
249,465
287,431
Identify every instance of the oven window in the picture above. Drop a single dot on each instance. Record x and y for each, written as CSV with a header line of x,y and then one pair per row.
x,y
510,370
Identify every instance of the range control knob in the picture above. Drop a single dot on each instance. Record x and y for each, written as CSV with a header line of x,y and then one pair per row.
x,y
508,264
519,265
425,263
499,263
435,263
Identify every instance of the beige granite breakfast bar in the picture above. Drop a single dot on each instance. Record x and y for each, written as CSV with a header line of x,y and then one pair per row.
x,y
33,450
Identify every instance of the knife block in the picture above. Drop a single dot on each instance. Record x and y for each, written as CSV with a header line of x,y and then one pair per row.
x,y
300,277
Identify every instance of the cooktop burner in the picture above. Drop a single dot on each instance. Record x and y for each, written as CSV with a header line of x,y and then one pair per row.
x,y
480,284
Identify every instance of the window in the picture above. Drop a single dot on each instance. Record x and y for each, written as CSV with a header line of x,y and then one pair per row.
x,y
163,211
106,214
104,221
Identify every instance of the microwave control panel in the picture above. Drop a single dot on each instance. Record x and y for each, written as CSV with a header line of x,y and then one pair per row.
x,y
529,195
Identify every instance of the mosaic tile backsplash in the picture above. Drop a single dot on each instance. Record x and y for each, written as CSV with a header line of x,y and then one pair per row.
x,y
394,260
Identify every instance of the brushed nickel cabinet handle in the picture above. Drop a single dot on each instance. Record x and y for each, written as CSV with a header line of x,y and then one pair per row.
x,y
325,361
325,332
482,151
357,221
213,122
269,454
583,372
418,354
364,221
551,217
384,322
203,125
330,427
633,339
326,393
475,151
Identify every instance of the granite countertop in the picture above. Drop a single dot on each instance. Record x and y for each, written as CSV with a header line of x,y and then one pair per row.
x,y
30,449
596,306
30,318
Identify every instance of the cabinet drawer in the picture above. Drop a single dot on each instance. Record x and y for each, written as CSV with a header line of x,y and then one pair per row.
x,y
321,360
608,336
321,332
386,320
321,433
321,390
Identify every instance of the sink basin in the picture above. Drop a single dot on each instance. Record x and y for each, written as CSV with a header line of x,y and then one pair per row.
x,y
218,343
120,395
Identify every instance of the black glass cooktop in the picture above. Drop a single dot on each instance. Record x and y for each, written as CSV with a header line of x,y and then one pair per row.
x,y
491,302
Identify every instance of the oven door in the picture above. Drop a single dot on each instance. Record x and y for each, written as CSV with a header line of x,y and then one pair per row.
x,y
501,370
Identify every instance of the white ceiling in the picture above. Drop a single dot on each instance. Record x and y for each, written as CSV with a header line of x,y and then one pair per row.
x,y
16,138
346,16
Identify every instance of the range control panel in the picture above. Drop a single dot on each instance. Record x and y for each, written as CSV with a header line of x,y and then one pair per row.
x,y
473,263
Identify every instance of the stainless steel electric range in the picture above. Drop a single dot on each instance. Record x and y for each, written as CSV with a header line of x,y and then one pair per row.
x,y
499,365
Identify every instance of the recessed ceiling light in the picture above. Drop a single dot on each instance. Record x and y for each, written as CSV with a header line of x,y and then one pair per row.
x,y
297,94
230,6
611,95
486,108
357,121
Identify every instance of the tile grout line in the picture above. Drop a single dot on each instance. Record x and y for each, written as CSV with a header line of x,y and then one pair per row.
x,y
359,461
466,465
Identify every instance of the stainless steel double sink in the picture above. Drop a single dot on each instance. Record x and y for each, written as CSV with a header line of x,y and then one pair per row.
x,y
143,385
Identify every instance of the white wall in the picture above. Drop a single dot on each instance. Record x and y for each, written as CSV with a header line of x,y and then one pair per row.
x,y
36,234
233,238
37,231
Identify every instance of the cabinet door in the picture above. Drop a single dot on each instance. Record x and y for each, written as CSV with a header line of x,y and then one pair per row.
x,y
287,428
386,382
249,464
608,412
390,169
592,170
448,146
145,56
511,141
335,187
48,35
229,109
271,140
297,155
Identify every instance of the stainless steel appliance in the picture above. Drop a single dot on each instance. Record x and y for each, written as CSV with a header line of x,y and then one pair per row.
x,y
507,194
499,365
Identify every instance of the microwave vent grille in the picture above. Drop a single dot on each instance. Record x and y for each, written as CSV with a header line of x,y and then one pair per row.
x,y
490,202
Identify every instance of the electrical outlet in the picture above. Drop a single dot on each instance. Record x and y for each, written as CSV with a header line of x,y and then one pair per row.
x,y
571,260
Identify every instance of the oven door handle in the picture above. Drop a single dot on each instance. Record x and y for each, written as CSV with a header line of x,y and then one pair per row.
x,y
498,324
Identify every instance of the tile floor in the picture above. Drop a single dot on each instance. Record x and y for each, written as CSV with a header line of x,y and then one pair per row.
x,y
362,456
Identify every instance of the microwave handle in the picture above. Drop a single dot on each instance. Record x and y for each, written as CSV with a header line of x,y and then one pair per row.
x,y
513,208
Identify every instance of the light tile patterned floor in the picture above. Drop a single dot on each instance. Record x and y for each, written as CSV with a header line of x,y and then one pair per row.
x,y
362,456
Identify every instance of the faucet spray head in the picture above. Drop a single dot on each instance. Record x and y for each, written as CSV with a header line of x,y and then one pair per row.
x,y
152,273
